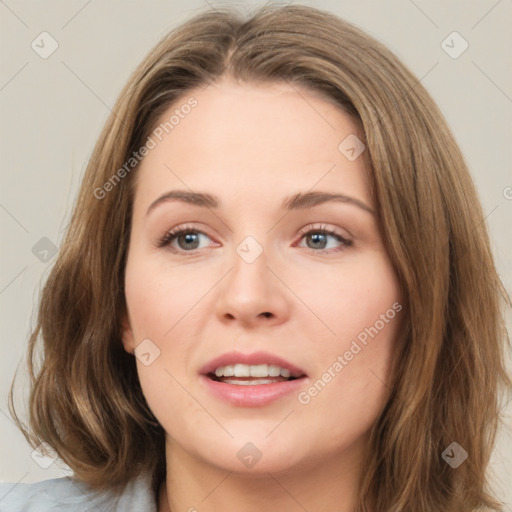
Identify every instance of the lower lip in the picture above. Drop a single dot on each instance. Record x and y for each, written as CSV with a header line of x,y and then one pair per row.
x,y
257,395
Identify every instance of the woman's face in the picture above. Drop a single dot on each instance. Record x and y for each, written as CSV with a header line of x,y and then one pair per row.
x,y
272,267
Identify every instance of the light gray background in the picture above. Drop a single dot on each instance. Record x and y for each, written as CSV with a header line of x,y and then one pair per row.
x,y
52,111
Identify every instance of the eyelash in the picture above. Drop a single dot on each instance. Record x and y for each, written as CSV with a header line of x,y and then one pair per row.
x,y
172,235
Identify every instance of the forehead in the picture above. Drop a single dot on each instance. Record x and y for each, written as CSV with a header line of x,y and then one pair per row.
x,y
253,140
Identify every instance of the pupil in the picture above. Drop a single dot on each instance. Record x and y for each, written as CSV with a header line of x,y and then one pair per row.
x,y
315,237
189,238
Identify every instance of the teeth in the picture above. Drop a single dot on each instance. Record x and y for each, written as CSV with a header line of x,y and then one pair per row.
x,y
250,382
245,370
274,371
241,370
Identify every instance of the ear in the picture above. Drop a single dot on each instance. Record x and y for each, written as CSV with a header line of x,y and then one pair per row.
x,y
127,335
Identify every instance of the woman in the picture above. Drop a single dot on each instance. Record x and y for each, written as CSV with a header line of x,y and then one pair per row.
x,y
276,291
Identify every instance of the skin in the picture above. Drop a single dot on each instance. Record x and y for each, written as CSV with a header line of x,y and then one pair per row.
x,y
252,146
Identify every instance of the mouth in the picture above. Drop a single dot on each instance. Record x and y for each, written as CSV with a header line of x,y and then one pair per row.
x,y
251,380
253,375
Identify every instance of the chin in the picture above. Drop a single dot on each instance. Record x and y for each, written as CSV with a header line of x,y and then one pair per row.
x,y
251,455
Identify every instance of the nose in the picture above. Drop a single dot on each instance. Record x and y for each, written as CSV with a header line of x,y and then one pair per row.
x,y
252,294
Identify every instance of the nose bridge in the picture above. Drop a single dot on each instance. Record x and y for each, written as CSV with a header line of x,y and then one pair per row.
x,y
249,280
251,290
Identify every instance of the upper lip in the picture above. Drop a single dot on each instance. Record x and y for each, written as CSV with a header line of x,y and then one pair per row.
x,y
254,358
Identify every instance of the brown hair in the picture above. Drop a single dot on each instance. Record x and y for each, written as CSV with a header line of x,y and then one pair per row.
x,y
86,401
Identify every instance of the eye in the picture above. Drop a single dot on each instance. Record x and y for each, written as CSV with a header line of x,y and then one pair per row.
x,y
187,238
319,239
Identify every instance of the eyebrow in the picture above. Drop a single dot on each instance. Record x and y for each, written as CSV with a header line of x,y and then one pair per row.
x,y
298,201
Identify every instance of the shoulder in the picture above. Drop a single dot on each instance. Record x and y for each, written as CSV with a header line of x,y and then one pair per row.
x,y
70,495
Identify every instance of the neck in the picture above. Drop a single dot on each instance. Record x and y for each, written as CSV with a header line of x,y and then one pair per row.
x,y
329,484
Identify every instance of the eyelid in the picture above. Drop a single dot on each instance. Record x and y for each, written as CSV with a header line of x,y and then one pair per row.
x,y
319,226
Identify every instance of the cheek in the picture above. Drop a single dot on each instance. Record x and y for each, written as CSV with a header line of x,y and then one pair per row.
x,y
360,308
349,298
158,297
349,389
160,303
